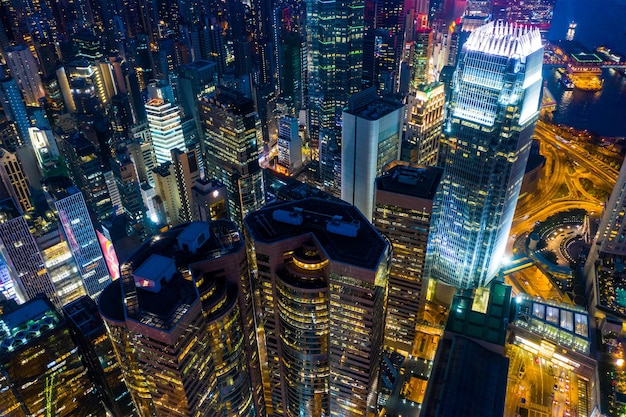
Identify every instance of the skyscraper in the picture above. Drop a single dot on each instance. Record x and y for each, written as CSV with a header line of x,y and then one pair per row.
x,y
14,180
25,70
180,319
79,232
165,128
494,109
322,279
232,135
424,123
41,368
404,201
335,48
88,329
372,129
22,256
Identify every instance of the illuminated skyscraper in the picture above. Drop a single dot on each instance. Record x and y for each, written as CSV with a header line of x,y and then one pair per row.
x,y
14,180
322,282
532,13
425,103
180,318
41,368
495,103
88,329
22,256
165,128
372,130
25,70
81,235
335,48
232,135
404,201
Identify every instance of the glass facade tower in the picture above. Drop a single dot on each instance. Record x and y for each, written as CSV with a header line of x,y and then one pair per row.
x,y
497,85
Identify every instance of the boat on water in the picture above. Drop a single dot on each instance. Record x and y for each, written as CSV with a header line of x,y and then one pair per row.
x,y
566,82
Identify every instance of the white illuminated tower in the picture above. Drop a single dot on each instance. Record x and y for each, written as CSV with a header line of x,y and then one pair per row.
x,y
494,109
165,128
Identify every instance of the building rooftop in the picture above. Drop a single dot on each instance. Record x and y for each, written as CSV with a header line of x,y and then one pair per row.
x,y
368,105
340,228
564,324
21,324
163,305
416,181
83,312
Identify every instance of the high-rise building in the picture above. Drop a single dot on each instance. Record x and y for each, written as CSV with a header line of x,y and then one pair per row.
x,y
232,135
422,54
42,372
167,197
335,63
79,232
22,256
534,13
470,363
404,201
187,171
289,144
14,107
424,124
165,128
371,132
322,280
14,180
86,170
25,70
209,200
88,330
180,319
59,263
494,109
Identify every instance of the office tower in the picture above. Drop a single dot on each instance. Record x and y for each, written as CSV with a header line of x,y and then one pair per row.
x,y
232,135
424,123
167,201
87,173
289,144
14,108
335,52
88,330
322,284
21,255
165,128
371,132
422,54
470,365
195,80
25,71
41,366
490,126
535,14
79,232
403,208
89,76
187,171
14,180
209,200
59,263
45,146
181,322
292,69
127,184
142,152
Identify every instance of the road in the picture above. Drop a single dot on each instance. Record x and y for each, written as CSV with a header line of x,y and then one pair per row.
x,y
559,188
